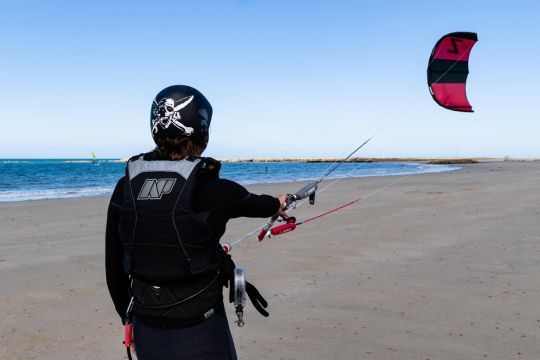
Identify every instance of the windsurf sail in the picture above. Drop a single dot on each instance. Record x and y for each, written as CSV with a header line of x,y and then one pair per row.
x,y
448,69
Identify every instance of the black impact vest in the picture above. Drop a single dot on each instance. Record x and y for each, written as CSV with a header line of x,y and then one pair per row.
x,y
169,250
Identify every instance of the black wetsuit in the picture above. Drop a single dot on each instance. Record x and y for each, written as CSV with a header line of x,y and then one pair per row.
x,y
228,200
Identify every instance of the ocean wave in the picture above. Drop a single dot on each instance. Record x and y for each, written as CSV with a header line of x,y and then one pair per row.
x,y
57,161
112,160
426,168
90,161
45,194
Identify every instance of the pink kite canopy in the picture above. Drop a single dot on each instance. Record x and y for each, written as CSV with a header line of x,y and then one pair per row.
x,y
448,69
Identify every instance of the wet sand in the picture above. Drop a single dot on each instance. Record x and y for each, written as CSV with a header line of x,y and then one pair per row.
x,y
435,266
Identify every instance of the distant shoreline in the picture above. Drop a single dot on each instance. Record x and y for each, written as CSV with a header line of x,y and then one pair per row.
x,y
358,160
435,161
425,160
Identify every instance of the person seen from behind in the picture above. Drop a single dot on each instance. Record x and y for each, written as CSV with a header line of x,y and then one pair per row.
x,y
165,267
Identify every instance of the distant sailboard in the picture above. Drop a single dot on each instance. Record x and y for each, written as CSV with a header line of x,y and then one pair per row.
x,y
94,159
448,69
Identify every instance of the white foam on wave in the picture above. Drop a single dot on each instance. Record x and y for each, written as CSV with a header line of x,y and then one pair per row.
x,y
15,161
429,168
45,194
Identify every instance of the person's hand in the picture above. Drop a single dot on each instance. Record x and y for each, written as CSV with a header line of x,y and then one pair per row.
x,y
282,203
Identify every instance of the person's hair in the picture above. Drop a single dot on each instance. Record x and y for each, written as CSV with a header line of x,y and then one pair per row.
x,y
169,147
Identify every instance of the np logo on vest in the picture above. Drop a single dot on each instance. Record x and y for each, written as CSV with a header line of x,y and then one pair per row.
x,y
154,189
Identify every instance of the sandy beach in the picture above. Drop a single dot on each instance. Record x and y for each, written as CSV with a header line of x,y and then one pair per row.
x,y
433,266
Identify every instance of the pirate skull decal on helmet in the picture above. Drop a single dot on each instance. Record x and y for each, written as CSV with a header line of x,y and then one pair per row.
x,y
167,113
180,111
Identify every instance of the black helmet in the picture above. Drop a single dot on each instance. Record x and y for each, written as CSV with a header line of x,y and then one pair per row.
x,y
180,111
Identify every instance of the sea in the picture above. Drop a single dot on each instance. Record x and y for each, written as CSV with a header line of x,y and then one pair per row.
x,y
35,179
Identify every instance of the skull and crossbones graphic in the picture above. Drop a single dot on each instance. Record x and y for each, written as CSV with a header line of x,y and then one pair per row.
x,y
167,112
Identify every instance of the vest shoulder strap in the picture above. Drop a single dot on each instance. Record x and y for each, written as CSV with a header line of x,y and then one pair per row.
x,y
139,165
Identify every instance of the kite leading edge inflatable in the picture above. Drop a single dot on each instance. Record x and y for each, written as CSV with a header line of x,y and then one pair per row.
x,y
448,69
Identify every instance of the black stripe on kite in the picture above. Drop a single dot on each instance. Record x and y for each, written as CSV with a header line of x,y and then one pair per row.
x,y
462,35
448,71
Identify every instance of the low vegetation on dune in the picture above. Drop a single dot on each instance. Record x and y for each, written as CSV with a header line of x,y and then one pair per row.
x,y
452,161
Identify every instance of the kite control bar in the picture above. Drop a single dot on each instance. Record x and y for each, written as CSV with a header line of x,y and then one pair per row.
x,y
307,191
291,224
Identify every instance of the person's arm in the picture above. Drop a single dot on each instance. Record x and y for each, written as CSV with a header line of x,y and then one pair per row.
x,y
255,206
117,279
233,201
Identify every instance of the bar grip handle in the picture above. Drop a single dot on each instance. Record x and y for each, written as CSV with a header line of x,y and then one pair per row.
x,y
282,229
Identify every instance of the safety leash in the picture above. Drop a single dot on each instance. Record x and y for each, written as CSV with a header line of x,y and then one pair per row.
x,y
128,329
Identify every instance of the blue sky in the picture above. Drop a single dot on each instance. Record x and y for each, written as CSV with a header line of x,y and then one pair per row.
x,y
285,78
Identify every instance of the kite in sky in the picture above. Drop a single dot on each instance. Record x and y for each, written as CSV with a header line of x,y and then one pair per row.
x,y
448,69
